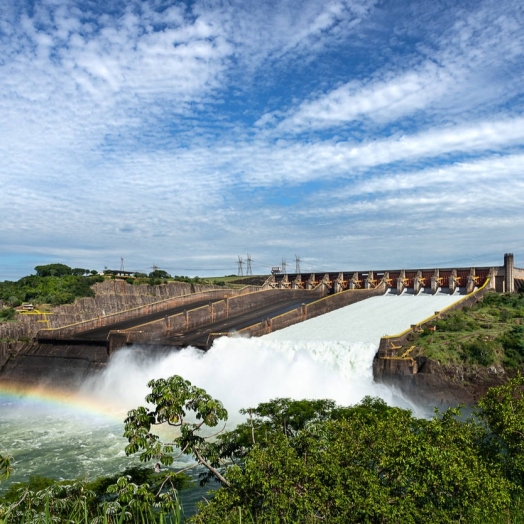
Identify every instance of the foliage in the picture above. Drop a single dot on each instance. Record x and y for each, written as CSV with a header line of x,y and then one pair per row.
x,y
137,495
456,321
307,461
502,409
174,398
491,332
53,284
159,273
7,314
5,467
479,351
368,463
513,343
53,270
61,270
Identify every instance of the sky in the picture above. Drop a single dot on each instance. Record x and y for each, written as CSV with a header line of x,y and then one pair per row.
x,y
351,134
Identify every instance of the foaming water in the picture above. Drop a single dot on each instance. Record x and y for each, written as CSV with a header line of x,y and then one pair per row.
x,y
326,357
59,440
243,372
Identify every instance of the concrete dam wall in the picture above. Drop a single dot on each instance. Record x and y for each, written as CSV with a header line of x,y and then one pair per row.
x,y
81,337
67,361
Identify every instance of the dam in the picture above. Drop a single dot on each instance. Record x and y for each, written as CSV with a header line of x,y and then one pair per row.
x,y
329,355
70,352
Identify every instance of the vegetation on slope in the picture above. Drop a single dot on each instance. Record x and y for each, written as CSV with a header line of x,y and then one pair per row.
x,y
305,461
489,333
52,284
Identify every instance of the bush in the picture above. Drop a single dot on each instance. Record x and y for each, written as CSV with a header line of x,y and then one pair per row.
x,y
7,314
479,351
513,344
456,321
48,289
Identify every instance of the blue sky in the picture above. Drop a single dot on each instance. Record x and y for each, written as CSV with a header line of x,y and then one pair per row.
x,y
355,134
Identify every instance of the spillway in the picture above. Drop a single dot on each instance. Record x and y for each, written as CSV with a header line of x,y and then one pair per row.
x,y
326,357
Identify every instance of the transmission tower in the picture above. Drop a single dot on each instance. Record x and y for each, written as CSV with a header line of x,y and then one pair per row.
x,y
121,263
284,266
240,269
297,264
249,271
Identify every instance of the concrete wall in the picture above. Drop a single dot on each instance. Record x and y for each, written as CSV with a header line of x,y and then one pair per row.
x,y
205,315
107,307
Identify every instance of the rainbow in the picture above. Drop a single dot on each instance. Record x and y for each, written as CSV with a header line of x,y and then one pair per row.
x,y
50,396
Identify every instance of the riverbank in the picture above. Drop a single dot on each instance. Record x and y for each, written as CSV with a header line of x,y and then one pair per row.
x,y
455,356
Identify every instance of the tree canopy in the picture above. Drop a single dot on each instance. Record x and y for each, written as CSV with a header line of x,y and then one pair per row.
x,y
53,284
310,461
305,461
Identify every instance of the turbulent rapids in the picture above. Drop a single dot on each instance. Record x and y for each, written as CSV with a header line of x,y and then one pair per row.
x,y
79,435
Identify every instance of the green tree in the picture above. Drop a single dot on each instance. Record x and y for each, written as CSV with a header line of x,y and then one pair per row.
x,y
80,272
502,409
369,463
53,270
310,461
159,273
137,495
174,398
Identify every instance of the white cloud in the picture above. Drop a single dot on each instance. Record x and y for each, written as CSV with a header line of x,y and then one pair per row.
x,y
382,100
128,133
471,67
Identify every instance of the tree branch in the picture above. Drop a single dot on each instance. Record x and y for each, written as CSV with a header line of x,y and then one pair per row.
x,y
210,468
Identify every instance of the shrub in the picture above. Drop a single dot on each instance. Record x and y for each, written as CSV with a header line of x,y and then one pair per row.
x,y
456,321
505,315
7,314
479,351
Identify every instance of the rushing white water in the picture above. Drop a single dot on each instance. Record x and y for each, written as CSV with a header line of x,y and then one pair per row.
x,y
326,357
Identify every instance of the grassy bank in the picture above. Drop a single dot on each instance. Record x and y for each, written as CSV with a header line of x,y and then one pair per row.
x,y
489,333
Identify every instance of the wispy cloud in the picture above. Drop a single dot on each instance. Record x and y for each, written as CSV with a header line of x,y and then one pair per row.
x,y
456,70
185,134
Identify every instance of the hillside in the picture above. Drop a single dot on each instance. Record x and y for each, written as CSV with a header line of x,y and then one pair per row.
x,y
491,333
